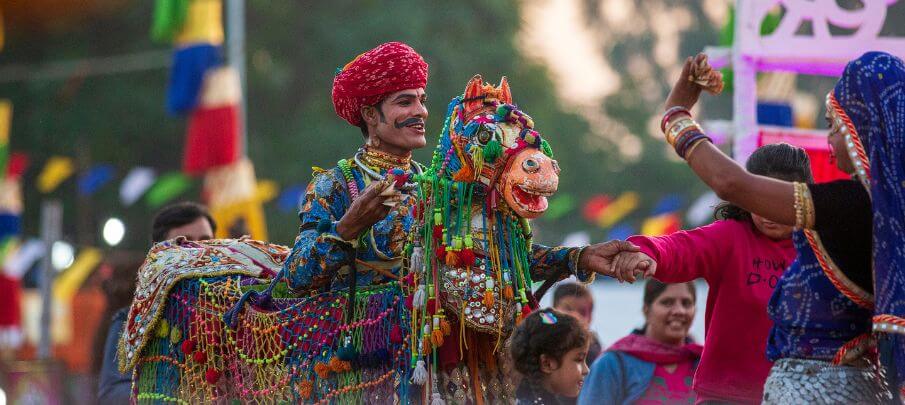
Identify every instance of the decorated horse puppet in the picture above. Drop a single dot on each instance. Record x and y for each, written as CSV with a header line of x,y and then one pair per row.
x,y
472,265
223,320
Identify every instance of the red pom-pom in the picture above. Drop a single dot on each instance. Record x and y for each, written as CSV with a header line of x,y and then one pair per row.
x,y
466,257
199,356
432,305
526,310
409,279
440,252
396,335
438,232
188,346
212,375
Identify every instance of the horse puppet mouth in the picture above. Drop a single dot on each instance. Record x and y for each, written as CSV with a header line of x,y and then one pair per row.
x,y
531,200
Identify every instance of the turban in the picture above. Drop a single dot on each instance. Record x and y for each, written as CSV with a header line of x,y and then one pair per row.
x,y
368,78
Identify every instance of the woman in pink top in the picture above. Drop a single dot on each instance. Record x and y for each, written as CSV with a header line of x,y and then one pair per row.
x,y
741,256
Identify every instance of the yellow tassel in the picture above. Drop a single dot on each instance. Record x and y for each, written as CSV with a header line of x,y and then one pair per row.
x,y
488,298
437,338
508,293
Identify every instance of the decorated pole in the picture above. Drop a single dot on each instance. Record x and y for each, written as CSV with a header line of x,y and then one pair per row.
x,y
235,44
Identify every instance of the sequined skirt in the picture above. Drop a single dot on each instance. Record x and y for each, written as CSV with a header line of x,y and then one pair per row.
x,y
799,381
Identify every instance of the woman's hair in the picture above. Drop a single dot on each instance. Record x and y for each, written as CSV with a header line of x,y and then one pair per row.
x,y
777,160
654,288
547,331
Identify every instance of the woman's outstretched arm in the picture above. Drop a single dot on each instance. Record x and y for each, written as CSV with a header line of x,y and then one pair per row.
x,y
767,197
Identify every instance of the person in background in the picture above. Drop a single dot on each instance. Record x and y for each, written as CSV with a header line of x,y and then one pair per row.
x,y
549,348
576,299
741,256
187,219
654,364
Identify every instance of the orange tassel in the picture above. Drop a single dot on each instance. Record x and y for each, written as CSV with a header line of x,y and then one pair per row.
x,y
465,174
445,327
338,366
452,259
426,345
437,338
305,388
488,298
322,370
507,293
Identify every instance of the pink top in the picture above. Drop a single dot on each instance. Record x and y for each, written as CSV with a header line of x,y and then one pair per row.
x,y
669,388
741,266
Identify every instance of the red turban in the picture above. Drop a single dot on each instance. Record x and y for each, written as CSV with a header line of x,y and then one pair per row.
x,y
368,78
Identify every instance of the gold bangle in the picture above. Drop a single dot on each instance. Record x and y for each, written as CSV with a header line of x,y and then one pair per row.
x,y
672,132
693,147
804,206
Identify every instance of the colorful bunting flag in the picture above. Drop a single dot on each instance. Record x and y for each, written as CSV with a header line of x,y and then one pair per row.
x,y
203,23
95,178
67,283
290,198
168,187
620,231
18,162
56,170
669,203
701,210
618,209
266,190
6,113
559,206
594,206
135,184
19,262
661,225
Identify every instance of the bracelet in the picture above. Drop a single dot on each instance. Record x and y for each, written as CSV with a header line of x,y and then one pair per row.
x,y
670,113
694,146
688,139
804,206
676,128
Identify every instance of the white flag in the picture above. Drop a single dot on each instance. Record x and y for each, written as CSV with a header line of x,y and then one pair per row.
x,y
135,184
21,260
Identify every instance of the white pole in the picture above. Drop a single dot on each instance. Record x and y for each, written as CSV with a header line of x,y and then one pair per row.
x,y
51,230
744,92
235,34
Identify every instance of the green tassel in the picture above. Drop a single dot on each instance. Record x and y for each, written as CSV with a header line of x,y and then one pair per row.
x,y
545,147
493,151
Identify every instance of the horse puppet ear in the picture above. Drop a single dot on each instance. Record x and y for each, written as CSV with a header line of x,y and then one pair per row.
x,y
505,95
473,92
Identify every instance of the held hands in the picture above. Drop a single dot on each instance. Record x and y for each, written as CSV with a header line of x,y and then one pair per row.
x,y
372,205
628,266
697,75
599,258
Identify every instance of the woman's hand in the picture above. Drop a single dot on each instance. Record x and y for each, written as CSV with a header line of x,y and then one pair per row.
x,y
628,266
367,209
697,75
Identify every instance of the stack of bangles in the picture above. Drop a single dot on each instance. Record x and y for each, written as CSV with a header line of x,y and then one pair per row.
x,y
682,132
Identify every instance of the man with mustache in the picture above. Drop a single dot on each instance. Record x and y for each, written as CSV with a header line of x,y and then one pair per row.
x,y
358,214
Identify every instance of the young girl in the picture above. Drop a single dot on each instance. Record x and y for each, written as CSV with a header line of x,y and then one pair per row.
x,y
742,256
549,349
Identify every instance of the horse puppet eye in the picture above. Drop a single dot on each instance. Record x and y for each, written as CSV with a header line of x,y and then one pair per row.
x,y
485,134
530,165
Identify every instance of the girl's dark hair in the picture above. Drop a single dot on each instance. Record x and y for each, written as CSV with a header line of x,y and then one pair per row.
x,y
176,215
777,160
653,289
533,337
570,289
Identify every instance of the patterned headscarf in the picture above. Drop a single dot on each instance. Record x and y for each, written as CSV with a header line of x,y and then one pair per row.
x,y
872,94
371,76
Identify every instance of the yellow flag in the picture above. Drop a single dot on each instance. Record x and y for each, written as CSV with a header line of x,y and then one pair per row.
x,y
56,170
266,190
618,209
6,114
203,23
68,283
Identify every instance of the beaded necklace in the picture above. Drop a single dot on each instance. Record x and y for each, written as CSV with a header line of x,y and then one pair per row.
x,y
383,160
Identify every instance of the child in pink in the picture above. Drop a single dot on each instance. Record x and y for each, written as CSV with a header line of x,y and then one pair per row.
x,y
741,257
